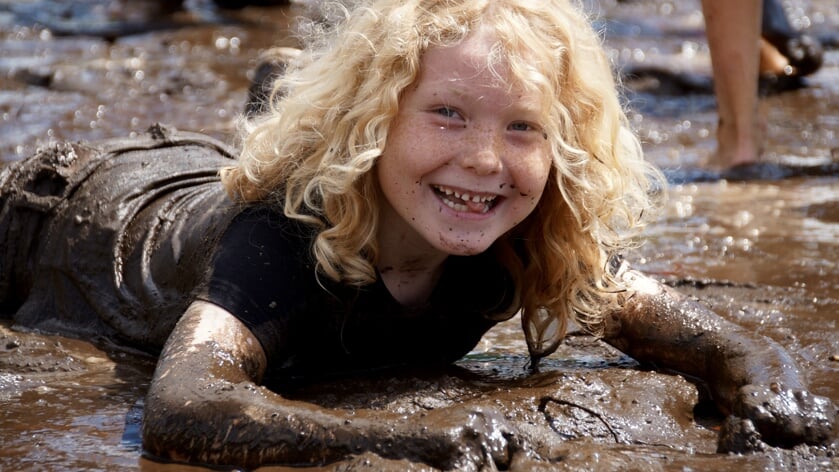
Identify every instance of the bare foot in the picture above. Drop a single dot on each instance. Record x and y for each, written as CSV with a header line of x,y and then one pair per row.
x,y
772,62
737,147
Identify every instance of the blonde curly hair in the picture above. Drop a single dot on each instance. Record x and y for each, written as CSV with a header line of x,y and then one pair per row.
x,y
313,153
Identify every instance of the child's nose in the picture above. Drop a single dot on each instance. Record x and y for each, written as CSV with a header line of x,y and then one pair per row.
x,y
484,157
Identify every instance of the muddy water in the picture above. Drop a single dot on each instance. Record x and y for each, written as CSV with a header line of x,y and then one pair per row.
x,y
763,254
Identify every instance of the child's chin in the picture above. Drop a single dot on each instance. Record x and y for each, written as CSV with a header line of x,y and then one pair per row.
x,y
463,247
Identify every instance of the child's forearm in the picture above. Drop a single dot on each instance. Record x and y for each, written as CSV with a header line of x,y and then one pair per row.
x,y
663,327
751,377
223,423
205,405
249,426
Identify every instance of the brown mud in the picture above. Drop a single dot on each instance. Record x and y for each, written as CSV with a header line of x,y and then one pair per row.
x,y
763,253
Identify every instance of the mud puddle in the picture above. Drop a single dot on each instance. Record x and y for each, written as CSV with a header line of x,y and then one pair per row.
x,y
763,254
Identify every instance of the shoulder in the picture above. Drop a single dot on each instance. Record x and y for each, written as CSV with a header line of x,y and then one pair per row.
x,y
260,241
262,272
263,223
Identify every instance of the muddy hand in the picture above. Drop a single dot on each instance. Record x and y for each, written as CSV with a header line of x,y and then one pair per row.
x,y
468,439
777,417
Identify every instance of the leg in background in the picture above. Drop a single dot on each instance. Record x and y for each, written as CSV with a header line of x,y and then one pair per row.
x,y
733,31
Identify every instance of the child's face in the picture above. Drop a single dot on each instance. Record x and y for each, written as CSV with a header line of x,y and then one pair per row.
x,y
466,159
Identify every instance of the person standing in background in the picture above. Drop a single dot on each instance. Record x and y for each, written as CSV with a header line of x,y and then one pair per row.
x,y
748,38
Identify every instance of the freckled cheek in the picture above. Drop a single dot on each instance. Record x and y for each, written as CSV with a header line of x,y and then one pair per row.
x,y
419,158
531,174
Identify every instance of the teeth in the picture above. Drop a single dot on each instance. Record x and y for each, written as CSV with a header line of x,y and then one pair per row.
x,y
461,207
455,206
465,197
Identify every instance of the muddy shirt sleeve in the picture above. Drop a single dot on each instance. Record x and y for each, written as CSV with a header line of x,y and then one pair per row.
x,y
261,274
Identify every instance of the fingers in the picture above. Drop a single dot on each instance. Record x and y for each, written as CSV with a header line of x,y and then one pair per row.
x,y
495,437
777,417
739,435
474,439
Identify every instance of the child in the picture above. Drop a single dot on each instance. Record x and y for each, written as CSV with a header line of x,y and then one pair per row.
x,y
430,169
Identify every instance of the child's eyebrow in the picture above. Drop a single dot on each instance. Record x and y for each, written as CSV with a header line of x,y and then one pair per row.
x,y
459,90
454,88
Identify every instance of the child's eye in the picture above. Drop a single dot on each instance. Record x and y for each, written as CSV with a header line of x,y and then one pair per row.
x,y
522,126
447,112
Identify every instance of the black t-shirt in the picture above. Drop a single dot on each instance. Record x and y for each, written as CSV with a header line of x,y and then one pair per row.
x,y
264,274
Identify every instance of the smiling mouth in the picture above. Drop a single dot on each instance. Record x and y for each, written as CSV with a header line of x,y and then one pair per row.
x,y
465,202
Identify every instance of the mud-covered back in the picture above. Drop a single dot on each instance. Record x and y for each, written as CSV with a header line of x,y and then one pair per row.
x,y
109,239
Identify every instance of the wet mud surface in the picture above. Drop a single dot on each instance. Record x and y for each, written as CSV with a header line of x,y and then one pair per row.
x,y
763,253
